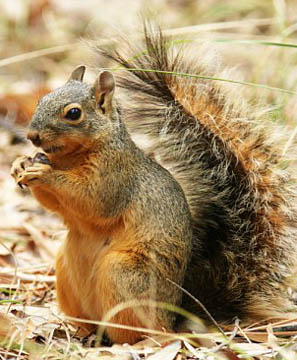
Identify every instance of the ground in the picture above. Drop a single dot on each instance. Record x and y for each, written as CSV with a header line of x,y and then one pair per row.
x,y
41,42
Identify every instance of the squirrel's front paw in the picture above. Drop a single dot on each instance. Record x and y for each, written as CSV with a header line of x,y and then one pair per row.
x,y
19,166
27,171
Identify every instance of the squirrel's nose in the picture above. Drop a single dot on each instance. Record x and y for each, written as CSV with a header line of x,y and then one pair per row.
x,y
34,137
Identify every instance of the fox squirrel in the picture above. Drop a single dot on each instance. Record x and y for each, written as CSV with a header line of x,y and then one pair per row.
x,y
215,214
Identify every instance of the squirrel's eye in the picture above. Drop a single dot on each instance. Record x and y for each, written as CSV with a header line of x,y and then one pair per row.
x,y
73,114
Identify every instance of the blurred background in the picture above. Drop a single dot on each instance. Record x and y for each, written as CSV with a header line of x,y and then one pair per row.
x,y
41,41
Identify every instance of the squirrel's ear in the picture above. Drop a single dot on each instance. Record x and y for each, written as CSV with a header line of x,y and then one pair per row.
x,y
103,90
78,73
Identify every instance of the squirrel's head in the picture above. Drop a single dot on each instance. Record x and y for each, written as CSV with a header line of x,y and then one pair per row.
x,y
75,115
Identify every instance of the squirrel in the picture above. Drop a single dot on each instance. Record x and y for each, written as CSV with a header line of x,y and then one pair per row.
x,y
213,211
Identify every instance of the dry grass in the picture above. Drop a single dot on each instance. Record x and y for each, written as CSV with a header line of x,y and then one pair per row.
x,y
40,44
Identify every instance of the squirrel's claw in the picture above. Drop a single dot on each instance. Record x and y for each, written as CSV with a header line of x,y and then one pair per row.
x,y
20,185
19,165
26,170
33,174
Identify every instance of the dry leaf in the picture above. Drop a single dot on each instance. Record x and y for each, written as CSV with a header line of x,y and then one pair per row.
x,y
6,326
21,106
169,352
7,259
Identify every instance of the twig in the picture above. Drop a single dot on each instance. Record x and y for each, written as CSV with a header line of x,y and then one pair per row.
x,y
15,263
170,32
219,26
244,334
231,337
30,277
37,53
202,307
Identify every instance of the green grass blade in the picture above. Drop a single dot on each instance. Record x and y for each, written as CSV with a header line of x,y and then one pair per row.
x,y
263,86
256,42
8,301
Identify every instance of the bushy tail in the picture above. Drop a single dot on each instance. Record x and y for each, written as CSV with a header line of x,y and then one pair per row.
x,y
229,166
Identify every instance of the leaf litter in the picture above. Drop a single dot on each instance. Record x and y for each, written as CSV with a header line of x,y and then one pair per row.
x,y
31,326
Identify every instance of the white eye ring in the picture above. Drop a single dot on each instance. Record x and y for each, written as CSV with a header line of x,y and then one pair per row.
x,y
73,113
